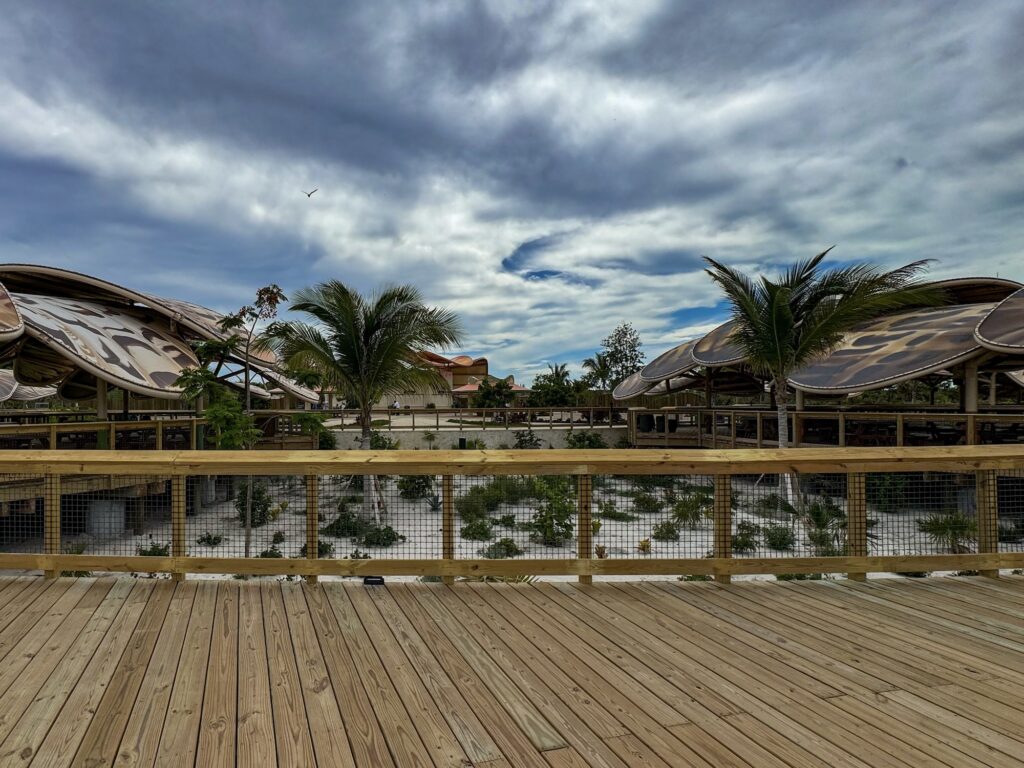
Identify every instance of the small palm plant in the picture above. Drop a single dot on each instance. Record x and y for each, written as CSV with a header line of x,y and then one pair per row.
x,y
952,532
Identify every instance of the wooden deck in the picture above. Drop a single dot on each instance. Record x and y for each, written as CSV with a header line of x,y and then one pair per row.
x,y
120,671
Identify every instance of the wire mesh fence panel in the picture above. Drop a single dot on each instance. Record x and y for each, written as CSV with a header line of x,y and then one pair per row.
x,y
136,438
789,515
81,440
507,516
116,515
177,437
243,516
380,516
644,516
1010,510
22,510
921,513
25,438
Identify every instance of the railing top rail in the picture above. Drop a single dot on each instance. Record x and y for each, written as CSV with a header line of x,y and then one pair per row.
x,y
541,462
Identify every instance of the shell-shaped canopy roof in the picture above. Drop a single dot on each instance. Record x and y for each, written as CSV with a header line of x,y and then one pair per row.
x,y
124,349
631,386
717,349
896,348
133,340
675,362
977,290
1002,329
10,389
673,385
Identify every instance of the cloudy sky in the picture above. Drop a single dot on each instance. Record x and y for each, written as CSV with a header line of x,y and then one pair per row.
x,y
548,169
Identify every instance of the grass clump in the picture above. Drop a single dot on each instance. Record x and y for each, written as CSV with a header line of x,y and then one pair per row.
x,y
666,530
210,539
271,552
479,529
415,486
323,549
608,511
154,549
502,548
381,536
647,504
348,523
744,541
691,511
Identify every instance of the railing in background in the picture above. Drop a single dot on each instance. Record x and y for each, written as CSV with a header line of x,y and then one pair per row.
x,y
752,428
516,513
466,419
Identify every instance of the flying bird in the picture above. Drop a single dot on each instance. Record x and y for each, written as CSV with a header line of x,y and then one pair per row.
x,y
309,194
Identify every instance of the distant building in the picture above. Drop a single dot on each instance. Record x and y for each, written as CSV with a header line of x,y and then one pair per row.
x,y
464,395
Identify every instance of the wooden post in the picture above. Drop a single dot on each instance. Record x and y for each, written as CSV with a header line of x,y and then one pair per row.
x,y
760,430
732,429
51,519
900,429
723,522
972,430
842,430
714,429
193,435
312,522
112,440
987,493
159,435
178,522
798,426
584,522
53,437
448,522
856,519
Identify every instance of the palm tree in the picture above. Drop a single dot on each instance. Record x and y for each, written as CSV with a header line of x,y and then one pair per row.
x,y
559,373
785,324
598,369
365,347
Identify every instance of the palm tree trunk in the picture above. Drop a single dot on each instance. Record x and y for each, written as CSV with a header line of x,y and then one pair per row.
x,y
786,484
369,507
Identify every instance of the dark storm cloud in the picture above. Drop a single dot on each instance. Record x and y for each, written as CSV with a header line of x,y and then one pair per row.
x,y
547,167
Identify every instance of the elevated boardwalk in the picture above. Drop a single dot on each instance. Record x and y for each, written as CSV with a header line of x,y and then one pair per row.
x,y
105,671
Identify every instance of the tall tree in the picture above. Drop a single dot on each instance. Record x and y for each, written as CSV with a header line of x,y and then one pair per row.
x,y
786,323
365,347
623,353
246,320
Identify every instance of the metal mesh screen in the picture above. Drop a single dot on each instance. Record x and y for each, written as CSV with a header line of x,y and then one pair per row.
x,y
115,515
921,513
21,513
1010,507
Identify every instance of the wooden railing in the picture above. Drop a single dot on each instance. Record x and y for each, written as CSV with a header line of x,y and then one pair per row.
x,y
758,428
471,418
59,473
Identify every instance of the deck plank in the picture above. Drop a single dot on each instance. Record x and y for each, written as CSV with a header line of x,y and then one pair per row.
x,y
551,674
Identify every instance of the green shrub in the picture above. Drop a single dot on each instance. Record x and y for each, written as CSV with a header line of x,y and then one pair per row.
x,y
381,536
434,503
651,481
477,529
481,500
585,440
271,552
525,439
744,541
261,503
887,492
277,538
77,548
154,549
210,539
502,548
609,511
696,577
381,442
691,510
505,521
646,504
358,554
666,530
779,537
346,524
415,486
323,549
553,521
799,576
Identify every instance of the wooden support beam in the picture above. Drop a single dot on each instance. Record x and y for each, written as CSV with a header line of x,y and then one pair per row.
x,y
987,495
178,522
312,521
584,522
856,519
448,521
723,522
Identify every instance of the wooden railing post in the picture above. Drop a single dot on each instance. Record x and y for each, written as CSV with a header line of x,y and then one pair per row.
x,y
760,429
448,522
987,494
723,522
842,430
312,522
53,437
856,520
159,435
584,522
178,522
51,519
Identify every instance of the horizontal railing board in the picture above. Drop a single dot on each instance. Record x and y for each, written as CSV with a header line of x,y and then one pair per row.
x,y
520,567
564,462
